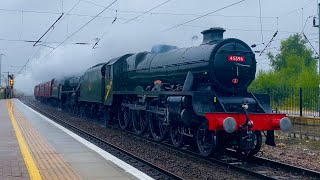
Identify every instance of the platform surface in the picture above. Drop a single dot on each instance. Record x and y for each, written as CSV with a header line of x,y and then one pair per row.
x,y
12,165
54,152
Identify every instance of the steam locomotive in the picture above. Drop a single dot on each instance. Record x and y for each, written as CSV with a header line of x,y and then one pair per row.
x,y
197,93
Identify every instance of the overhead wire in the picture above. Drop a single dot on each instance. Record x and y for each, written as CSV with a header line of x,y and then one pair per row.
x,y
138,12
89,2
310,43
132,11
38,50
115,18
94,46
75,32
272,39
51,27
29,11
45,45
239,29
302,18
305,36
314,38
171,13
277,23
62,17
290,12
217,15
261,21
33,56
164,13
4,60
58,13
28,60
274,35
304,26
199,17
33,41
159,5
21,28
148,11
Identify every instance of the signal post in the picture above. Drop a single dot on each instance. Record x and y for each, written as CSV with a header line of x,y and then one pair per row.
x,y
10,86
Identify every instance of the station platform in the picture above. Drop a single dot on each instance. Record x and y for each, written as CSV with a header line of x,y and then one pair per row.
x,y
34,147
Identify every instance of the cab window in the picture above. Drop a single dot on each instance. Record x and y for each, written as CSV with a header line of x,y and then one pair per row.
x,y
108,72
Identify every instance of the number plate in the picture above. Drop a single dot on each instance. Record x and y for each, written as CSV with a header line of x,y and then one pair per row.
x,y
236,58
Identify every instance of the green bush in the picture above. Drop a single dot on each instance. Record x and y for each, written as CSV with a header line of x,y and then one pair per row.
x,y
294,67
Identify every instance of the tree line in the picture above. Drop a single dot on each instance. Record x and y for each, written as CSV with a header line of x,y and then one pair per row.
x,y
292,68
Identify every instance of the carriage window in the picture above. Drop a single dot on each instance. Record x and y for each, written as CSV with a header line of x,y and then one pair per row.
x,y
108,72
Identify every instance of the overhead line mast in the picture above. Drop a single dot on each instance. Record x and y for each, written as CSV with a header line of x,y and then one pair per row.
x,y
318,26
319,35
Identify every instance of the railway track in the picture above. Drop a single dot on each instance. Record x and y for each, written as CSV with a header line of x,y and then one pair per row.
x,y
139,163
258,167
288,167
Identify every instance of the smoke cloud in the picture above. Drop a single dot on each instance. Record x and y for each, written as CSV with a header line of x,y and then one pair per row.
x,y
69,60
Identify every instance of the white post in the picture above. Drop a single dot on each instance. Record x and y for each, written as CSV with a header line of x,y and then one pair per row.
x,y
0,68
319,37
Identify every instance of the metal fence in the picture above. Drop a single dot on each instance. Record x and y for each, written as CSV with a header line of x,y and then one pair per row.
x,y
294,101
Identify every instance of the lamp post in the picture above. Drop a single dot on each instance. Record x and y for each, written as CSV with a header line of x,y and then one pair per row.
x,y
0,67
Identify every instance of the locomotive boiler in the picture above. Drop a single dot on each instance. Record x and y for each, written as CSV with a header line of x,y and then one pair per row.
x,y
198,93
223,65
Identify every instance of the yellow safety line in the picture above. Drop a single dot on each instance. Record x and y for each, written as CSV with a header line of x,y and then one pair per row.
x,y
27,157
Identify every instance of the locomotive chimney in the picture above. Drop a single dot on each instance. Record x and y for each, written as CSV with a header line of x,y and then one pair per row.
x,y
212,34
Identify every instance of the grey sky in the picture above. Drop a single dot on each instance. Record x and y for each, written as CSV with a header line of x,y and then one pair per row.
x,y
241,21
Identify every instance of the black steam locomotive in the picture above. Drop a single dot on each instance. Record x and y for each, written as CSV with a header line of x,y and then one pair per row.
x,y
198,92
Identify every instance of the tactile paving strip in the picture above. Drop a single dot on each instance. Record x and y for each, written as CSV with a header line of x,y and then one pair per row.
x,y
50,164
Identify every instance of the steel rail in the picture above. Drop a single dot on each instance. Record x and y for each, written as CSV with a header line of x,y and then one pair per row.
x,y
286,166
100,142
186,152
236,164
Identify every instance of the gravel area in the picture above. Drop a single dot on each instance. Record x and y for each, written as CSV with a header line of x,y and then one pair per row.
x,y
178,163
298,152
